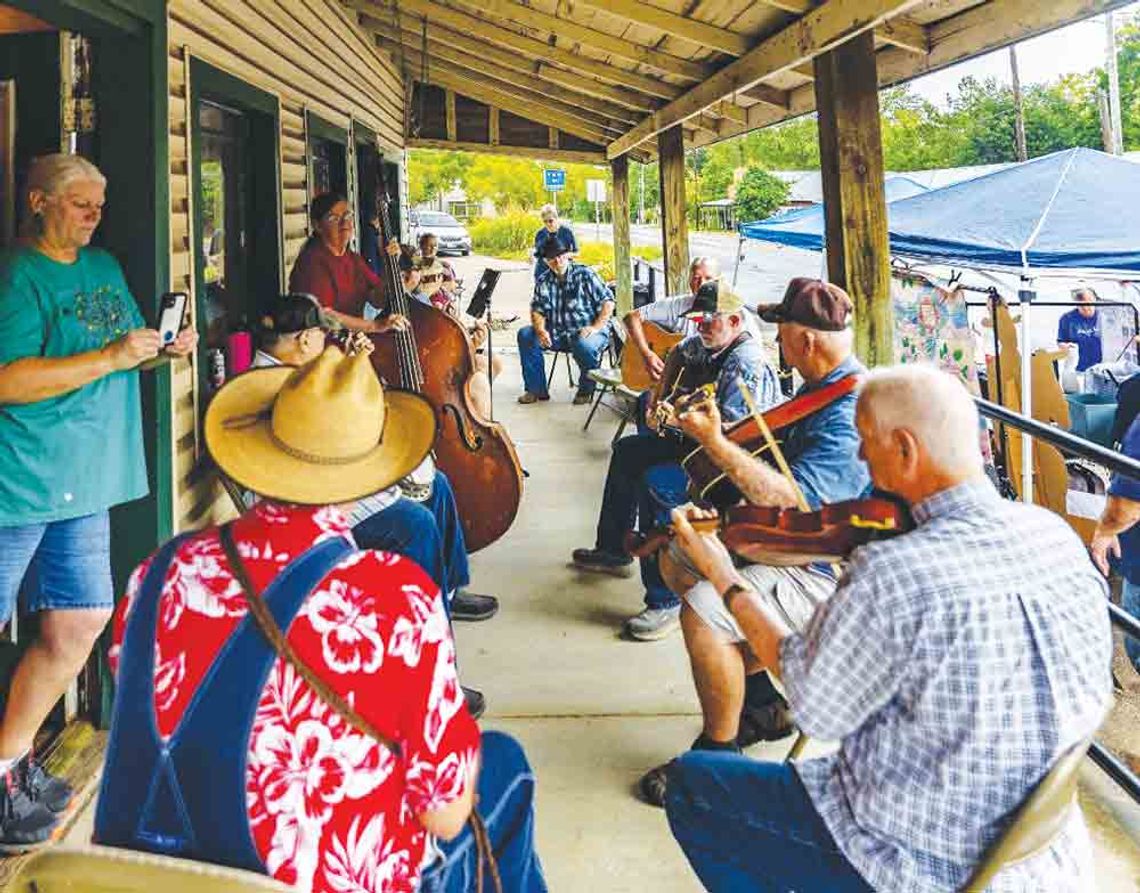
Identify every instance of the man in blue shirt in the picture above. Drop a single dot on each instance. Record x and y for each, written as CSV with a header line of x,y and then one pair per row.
x,y
645,479
822,451
552,228
1117,534
1081,326
571,311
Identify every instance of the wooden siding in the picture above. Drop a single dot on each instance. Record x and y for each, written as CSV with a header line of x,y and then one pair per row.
x,y
311,55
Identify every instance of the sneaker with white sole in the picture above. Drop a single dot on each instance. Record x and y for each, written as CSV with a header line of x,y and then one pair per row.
x,y
653,624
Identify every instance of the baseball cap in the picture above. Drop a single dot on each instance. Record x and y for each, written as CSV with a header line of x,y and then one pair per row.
x,y
715,296
812,303
553,248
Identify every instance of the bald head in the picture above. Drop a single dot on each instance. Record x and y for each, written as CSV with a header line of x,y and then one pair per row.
x,y
920,430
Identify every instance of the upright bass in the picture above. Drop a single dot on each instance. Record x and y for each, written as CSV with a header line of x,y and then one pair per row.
x,y
435,358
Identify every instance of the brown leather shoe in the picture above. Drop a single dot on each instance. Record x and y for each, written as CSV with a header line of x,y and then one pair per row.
x,y
528,398
580,399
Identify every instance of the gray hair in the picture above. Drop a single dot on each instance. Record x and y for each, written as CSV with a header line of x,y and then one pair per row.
x,y
51,175
709,263
547,210
932,405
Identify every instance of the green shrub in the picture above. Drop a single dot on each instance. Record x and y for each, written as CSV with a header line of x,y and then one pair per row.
x,y
600,256
510,235
759,195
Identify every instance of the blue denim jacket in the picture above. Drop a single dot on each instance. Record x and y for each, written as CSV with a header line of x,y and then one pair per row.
x,y
823,449
747,361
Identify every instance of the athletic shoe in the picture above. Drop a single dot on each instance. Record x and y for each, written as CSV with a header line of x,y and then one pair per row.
x,y
601,562
653,624
25,824
41,786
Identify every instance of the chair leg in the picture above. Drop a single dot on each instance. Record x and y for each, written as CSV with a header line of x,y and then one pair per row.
x,y
550,377
797,747
601,390
621,428
570,373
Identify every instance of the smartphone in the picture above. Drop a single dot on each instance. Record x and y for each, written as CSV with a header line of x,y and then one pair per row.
x,y
171,312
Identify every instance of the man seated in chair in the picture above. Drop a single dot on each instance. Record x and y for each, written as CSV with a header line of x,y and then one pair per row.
x,y
954,664
428,532
822,452
287,703
571,311
645,478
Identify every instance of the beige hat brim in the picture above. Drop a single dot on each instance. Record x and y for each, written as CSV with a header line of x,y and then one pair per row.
x,y
249,456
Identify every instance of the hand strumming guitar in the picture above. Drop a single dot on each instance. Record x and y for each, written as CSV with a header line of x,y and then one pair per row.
x,y
699,418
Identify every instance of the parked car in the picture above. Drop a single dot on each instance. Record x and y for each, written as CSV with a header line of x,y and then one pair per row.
x,y
453,236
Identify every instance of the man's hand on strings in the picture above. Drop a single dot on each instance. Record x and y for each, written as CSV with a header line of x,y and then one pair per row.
x,y
700,419
392,248
358,343
654,365
392,323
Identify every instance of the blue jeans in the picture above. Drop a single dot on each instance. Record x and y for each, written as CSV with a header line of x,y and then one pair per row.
x,y
429,533
642,484
61,564
587,353
750,825
506,803
1130,602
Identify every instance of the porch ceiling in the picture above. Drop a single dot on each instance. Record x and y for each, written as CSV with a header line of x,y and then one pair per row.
x,y
628,69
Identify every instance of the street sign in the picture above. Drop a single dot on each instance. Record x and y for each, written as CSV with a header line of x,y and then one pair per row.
x,y
596,190
554,179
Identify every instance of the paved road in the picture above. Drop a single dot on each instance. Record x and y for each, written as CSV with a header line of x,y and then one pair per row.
x,y
764,269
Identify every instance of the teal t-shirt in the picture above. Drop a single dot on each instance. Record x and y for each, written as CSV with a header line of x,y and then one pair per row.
x,y
81,452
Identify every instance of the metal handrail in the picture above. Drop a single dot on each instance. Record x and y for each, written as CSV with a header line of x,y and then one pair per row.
x,y
1117,770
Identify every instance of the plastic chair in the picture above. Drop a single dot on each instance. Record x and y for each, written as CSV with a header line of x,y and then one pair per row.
x,y
94,869
1035,823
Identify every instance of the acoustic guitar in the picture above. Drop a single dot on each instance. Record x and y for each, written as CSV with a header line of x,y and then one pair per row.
x,y
634,375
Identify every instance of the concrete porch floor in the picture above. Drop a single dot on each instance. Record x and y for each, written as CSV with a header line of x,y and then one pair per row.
x,y
594,711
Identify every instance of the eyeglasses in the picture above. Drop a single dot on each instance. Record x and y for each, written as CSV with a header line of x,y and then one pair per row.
x,y
346,217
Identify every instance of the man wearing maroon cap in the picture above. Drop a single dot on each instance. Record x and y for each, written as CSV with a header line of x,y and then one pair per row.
x,y
740,706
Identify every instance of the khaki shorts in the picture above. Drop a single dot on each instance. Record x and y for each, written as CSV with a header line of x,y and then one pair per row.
x,y
793,593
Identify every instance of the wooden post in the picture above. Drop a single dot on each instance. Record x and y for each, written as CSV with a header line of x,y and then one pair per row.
x,y
674,226
855,206
623,265
493,126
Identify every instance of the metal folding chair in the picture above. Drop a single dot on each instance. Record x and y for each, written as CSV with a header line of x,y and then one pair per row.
x,y
554,365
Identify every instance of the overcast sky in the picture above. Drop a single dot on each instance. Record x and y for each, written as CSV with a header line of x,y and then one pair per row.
x,y
1076,48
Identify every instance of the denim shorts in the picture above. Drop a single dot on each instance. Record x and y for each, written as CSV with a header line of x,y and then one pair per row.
x,y
62,565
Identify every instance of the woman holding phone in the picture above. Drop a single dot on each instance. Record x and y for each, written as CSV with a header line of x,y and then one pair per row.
x,y
71,447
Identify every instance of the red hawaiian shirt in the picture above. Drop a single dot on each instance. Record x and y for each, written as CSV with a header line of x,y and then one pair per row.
x,y
330,809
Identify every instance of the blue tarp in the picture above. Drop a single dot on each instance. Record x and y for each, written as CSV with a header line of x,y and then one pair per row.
x,y
1072,210
803,227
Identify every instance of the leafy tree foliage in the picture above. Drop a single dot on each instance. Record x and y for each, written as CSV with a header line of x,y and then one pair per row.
x,y
760,194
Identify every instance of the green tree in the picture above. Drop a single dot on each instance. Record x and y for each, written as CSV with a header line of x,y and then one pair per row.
x,y
759,194
432,172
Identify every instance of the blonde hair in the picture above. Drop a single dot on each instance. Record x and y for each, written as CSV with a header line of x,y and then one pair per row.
x,y
52,174
932,405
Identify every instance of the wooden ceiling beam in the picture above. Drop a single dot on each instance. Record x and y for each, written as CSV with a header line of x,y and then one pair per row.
x,y
621,105
768,96
904,33
484,31
580,107
974,32
696,32
562,27
824,27
570,155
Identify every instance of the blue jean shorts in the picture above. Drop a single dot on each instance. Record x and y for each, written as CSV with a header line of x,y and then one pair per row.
x,y
62,565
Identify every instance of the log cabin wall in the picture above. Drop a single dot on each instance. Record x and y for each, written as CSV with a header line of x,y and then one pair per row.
x,y
312,56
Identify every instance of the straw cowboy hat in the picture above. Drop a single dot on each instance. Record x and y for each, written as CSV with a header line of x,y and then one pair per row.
x,y
321,434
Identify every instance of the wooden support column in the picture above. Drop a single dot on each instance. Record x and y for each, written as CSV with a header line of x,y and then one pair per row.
x,y
449,114
623,263
855,204
493,126
674,225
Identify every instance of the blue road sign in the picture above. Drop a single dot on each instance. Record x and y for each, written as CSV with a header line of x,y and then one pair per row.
x,y
554,179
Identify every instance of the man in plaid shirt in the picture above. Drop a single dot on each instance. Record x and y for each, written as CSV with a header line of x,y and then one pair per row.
x,y
571,311
954,664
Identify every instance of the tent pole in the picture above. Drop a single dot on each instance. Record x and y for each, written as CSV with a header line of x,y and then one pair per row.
x,y
1026,296
739,255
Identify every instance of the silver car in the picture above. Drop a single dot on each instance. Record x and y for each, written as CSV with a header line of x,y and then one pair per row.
x,y
452,235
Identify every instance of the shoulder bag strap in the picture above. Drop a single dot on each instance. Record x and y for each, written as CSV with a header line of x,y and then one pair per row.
x,y
258,609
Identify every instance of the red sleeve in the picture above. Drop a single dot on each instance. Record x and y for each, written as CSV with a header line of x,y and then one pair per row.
x,y
311,276
365,275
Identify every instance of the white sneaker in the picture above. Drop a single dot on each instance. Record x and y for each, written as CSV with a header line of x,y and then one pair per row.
x,y
653,623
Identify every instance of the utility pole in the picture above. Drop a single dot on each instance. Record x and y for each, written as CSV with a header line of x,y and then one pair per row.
x,y
1113,85
1018,106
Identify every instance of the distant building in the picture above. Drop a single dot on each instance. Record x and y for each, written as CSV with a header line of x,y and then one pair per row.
x,y
456,203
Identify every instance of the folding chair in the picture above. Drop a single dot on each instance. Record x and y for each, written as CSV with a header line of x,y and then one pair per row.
x,y
1036,822
93,869
569,371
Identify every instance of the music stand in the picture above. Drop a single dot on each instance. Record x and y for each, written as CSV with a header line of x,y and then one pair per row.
x,y
481,305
